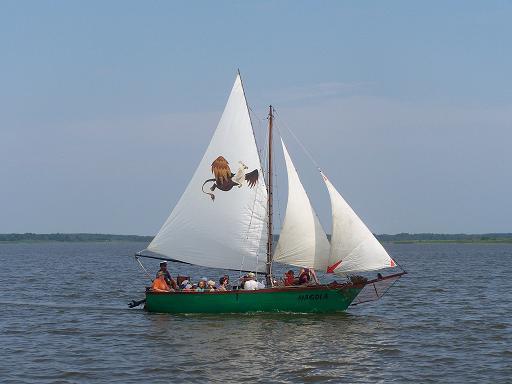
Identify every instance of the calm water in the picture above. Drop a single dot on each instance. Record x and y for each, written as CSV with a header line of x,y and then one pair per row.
x,y
64,319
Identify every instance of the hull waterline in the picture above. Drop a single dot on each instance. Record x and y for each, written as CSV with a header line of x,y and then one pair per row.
x,y
315,299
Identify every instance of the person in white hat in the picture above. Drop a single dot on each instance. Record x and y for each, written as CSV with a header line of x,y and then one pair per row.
x,y
167,276
251,284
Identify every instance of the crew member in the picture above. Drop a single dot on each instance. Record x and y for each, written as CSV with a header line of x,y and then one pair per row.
x,y
304,276
167,276
289,278
251,284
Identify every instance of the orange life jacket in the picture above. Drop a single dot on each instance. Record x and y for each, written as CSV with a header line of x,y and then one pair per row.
x,y
159,285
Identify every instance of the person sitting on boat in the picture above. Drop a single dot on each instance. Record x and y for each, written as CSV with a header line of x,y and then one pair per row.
x,y
242,280
223,283
201,286
211,286
304,276
289,278
251,284
167,276
160,285
184,283
188,288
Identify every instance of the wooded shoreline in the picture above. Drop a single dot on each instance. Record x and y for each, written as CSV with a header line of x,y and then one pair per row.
x,y
400,238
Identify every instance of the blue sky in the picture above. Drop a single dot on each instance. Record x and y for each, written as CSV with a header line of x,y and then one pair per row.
x,y
107,107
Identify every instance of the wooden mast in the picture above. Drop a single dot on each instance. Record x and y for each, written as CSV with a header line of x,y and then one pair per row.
x,y
270,280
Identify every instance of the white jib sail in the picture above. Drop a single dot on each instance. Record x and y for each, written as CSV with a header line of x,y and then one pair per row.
x,y
229,231
302,241
353,246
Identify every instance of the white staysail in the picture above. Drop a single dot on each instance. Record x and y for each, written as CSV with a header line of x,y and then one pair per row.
x,y
220,220
353,246
302,241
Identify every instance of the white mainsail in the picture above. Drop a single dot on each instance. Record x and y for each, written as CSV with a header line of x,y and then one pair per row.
x,y
302,241
228,232
353,246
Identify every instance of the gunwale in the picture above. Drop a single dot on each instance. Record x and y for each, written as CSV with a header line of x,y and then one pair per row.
x,y
291,288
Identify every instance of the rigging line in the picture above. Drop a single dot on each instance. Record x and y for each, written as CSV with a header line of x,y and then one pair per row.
x,y
396,262
246,239
248,112
264,156
261,149
142,266
260,152
255,114
390,286
278,202
161,258
264,150
378,296
277,190
308,154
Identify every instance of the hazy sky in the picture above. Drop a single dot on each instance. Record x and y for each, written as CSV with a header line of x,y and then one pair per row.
x,y
106,107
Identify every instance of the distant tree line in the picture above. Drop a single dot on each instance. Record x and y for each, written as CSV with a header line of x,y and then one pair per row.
x,y
440,237
400,237
71,237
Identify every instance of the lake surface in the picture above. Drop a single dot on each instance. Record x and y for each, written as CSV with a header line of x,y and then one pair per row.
x,y
65,319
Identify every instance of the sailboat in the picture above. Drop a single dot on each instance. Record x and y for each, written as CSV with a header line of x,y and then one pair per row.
x,y
224,220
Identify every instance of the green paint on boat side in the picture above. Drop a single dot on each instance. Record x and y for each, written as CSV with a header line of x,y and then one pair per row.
x,y
300,300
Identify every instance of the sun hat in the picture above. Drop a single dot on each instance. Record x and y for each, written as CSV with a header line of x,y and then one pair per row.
x,y
211,282
163,262
250,274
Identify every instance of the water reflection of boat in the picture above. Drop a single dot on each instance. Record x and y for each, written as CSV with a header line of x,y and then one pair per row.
x,y
224,220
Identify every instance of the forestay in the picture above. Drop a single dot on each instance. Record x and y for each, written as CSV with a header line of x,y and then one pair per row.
x,y
353,246
228,232
302,241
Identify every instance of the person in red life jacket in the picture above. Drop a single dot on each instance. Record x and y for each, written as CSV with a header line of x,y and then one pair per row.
x,y
167,276
289,278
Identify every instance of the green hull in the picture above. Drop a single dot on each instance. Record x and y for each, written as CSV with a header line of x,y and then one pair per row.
x,y
316,299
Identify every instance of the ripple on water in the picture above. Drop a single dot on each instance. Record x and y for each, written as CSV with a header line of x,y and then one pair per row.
x,y
441,323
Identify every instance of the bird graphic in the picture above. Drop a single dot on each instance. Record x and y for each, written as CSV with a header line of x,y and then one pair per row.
x,y
225,180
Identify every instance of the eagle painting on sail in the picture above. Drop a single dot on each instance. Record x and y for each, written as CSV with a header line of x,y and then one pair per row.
x,y
225,179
